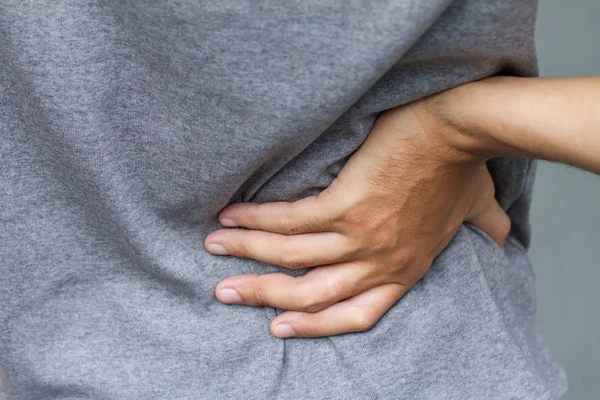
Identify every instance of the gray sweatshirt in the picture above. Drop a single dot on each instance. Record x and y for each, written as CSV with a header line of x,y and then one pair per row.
x,y
125,126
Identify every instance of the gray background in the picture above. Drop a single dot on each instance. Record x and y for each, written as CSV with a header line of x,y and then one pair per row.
x,y
566,211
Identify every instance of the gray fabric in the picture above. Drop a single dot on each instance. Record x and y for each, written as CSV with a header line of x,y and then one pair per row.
x,y
125,126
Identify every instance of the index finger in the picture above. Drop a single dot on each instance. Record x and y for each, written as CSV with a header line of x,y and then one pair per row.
x,y
309,215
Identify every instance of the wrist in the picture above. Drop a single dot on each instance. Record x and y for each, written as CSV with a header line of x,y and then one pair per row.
x,y
470,117
445,119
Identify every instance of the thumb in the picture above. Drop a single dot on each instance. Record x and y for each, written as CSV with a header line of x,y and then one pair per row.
x,y
493,221
486,213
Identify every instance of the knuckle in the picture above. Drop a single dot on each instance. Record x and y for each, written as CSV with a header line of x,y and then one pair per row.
x,y
312,307
357,216
335,220
256,294
311,304
367,229
362,321
327,193
355,246
384,239
413,274
240,249
309,301
302,302
400,261
341,288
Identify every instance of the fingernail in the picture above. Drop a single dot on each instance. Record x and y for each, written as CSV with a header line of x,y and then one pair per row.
x,y
217,249
283,331
229,296
227,222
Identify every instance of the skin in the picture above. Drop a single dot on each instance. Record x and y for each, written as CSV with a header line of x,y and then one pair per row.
x,y
370,236
554,119
400,199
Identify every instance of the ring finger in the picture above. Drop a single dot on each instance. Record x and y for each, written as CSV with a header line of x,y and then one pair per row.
x,y
318,289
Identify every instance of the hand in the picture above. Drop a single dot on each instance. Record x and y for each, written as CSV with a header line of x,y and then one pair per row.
x,y
370,236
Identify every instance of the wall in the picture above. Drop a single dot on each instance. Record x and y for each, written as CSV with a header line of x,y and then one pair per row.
x,y
566,211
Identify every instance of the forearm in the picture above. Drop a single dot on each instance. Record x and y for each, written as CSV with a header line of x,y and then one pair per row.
x,y
556,119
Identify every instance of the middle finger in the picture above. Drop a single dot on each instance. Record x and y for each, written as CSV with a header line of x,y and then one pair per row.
x,y
293,252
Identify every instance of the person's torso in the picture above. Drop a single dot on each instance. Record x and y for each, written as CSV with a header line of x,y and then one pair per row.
x,y
126,126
